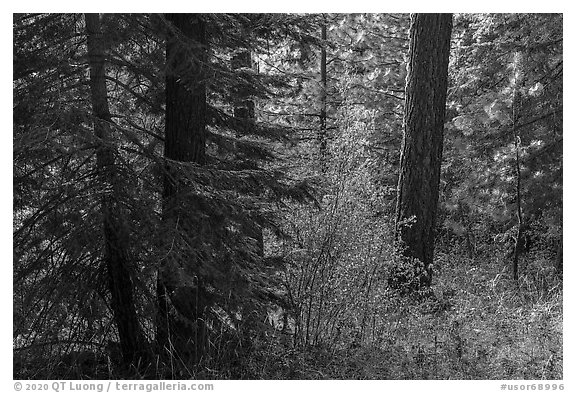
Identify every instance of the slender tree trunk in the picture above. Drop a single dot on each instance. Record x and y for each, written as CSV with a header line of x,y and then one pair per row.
x,y
322,137
243,104
520,228
116,236
520,235
469,235
559,260
245,114
418,187
185,141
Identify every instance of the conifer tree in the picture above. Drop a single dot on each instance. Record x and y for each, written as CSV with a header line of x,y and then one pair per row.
x,y
116,235
418,187
184,142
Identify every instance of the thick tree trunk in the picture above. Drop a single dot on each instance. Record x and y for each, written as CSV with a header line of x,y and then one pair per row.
x,y
185,141
418,188
185,91
116,237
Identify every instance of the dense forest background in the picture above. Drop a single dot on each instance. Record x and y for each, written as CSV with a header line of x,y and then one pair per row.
x,y
228,196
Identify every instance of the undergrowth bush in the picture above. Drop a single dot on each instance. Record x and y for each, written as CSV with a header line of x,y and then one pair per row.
x,y
479,324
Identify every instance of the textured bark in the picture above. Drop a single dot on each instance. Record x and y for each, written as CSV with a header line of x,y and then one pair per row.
x,y
185,90
418,187
185,141
116,237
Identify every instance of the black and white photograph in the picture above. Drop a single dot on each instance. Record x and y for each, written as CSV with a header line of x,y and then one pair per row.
x,y
287,196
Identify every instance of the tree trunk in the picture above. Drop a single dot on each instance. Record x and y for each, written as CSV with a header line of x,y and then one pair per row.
x,y
243,104
418,187
322,137
520,228
469,234
185,91
245,115
116,236
185,141
516,103
559,260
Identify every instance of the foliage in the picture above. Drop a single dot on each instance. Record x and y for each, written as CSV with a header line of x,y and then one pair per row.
x,y
338,250
57,221
490,53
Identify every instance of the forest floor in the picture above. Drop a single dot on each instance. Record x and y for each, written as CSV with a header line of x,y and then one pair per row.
x,y
480,324
489,327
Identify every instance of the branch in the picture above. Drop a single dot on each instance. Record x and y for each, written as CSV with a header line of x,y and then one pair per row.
x,y
538,118
140,128
138,96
